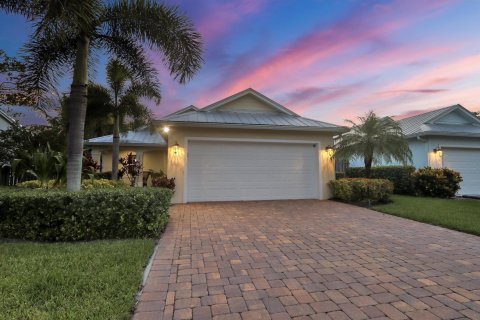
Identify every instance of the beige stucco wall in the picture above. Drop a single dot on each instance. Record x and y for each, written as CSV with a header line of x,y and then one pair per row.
x,y
153,159
176,164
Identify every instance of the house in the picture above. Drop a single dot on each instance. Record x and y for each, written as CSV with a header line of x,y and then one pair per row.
x,y
5,121
243,147
447,137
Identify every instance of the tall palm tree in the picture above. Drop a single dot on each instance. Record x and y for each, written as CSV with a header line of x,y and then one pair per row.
x,y
66,32
373,139
125,92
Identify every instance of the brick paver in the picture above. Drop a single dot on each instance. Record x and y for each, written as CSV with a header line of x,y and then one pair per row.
x,y
308,259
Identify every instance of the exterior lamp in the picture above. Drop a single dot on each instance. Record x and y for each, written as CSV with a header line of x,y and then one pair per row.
x,y
175,149
330,151
438,151
166,129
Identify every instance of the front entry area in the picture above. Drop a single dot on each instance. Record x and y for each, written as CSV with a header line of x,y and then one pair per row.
x,y
251,170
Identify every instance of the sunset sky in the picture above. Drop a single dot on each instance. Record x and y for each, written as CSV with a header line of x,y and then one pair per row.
x,y
326,59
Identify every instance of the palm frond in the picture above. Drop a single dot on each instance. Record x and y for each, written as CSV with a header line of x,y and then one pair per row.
x,y
161,28
27,8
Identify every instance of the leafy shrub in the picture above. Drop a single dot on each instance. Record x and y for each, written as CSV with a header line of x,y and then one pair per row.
x,y
103,183
160,180
57,215
86,184
359,189
441,183
103,175
131,168
34,184
401,176
340,175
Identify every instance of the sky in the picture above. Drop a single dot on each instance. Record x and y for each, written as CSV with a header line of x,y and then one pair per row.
x,y
328,60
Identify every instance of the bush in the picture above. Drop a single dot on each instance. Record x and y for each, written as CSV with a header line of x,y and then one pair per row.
x,y
160,180
103,183
86,184
103,175
401,176
440,183
359,189
57,215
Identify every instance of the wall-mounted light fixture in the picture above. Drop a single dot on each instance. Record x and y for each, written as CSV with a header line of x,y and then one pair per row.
x,y
166,129
330,151
438,151
176,149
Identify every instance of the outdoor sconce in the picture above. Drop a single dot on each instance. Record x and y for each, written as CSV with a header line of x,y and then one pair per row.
x,y
175,149
438,151
166,129
330,151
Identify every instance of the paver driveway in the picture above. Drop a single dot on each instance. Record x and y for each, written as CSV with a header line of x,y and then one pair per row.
x,y
308,260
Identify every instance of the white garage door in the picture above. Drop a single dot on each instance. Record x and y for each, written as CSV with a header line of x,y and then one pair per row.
x,y
467,162
227,171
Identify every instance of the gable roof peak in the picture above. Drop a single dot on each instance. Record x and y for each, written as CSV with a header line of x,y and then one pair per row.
x,y
253,92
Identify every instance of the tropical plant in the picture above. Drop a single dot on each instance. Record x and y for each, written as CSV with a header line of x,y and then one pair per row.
x,y
67,31
11,92
47,164
375,140
131,168
125,92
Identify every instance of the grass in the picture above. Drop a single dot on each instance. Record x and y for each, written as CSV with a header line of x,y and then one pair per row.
x,y
84,280
461,214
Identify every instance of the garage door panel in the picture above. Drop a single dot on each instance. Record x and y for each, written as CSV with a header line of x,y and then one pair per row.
x,y
467,163
222,171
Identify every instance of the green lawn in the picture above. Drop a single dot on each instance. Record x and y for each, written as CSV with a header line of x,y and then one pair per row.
x,y
461,214
88,280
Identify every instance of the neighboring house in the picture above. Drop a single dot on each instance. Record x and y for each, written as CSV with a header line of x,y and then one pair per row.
x,y
5,121
244,147
447,137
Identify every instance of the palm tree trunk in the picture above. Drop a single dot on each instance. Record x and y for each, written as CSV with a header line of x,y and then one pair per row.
x,y
116,143
368,167
77,109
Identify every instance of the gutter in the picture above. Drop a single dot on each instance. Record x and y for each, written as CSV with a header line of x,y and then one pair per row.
x,y
338,129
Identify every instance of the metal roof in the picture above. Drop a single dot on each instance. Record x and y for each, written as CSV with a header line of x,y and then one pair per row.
x,y
243,118
140,137
424,124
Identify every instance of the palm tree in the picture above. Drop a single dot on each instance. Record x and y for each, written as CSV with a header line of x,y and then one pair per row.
x,y
373,139
66,32
125,92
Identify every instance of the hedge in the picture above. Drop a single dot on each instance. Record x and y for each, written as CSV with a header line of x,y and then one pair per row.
x,y
58,215
86,184
359,189
401,176
441,183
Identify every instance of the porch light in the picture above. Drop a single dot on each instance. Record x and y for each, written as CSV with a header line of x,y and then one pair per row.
x,y
176,147
166,129
330,150
438,151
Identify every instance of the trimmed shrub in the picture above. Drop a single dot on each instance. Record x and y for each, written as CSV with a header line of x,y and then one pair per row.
x,y
359,189
58,215
401,176
440,183
86,184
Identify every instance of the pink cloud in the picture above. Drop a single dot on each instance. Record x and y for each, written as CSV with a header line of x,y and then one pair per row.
x,y
225,15
347,35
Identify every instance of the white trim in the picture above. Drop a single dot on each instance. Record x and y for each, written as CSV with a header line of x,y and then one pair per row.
x,y
285,141
454,108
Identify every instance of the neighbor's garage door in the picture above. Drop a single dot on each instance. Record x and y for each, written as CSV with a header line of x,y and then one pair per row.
x,y
226,171
467,162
